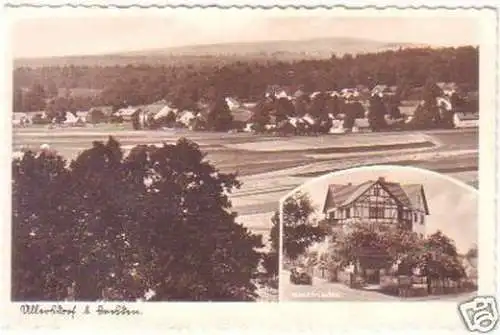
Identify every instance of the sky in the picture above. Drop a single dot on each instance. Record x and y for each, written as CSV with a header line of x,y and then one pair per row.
x,y
453,208
97,34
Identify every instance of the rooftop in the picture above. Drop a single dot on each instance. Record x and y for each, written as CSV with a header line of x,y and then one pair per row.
x,y
341,195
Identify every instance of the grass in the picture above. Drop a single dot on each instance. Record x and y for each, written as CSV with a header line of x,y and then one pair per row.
x,y
368,148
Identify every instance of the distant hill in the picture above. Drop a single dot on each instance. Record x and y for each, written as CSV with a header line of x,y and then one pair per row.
x,y
320,48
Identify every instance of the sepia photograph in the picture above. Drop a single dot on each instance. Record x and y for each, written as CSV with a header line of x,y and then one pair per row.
x,y
382,233
150,154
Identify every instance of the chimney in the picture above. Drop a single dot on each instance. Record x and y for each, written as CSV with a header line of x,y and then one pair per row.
x,y
381,179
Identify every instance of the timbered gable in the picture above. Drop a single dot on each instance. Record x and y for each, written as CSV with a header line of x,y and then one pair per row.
x,y
377,202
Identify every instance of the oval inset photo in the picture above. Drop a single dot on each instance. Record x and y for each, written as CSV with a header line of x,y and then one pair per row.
x,y
379,233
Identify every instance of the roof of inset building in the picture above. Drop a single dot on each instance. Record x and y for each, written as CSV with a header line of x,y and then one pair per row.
x,y
339,195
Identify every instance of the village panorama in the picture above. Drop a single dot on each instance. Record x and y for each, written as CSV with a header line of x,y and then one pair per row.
x,y
157,176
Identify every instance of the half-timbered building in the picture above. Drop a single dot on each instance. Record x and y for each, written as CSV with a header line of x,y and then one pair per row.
x,y
378,202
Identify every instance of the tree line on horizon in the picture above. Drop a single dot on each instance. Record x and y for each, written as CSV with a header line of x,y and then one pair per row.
x,y
185,85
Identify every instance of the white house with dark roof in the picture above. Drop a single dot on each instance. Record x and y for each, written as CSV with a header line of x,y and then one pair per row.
x,y
378,202
82,115
444,86
163,112
384,89
232,103
70,118
128,112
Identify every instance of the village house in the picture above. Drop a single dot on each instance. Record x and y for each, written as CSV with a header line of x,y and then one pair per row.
x,y
38,117
82,115
447,88
165,111
283,92
298,94
20,119
71,119
314,94
127,113
348,92
377,202
155,108
199,122
249,127
241,117
309,120
249,105
464,120
186,118
384,89
232,103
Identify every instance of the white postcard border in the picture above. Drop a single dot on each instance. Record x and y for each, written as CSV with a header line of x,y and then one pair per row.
x,y
282,316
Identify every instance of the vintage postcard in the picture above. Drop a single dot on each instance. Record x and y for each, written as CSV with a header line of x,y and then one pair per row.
x,y
194,168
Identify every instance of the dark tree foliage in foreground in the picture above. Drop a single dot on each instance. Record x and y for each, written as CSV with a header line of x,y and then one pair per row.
x,y
113,227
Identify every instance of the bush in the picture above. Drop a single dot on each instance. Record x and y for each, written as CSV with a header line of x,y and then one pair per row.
x,y
39,119
96,116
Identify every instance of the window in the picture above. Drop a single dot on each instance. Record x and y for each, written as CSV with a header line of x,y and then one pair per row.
x,y
376,212
422,219
376,191
415,217
347,213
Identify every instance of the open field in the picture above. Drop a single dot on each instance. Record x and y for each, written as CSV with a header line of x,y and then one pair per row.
x,y
270,167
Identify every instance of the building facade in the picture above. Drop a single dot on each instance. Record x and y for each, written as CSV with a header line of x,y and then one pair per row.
x,y
379,202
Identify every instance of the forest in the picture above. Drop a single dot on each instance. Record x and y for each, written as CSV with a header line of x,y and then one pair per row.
x,y
81,87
